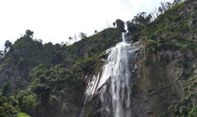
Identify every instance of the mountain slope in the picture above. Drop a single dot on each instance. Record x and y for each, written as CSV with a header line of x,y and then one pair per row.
x,y
46,79
164,81
166,75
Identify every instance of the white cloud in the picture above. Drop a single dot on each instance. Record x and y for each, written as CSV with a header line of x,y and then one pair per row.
x,y
55,20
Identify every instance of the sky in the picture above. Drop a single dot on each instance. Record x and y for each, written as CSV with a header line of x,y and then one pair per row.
x,y
56,20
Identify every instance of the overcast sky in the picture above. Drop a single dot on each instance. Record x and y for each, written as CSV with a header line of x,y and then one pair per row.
x,y
56,20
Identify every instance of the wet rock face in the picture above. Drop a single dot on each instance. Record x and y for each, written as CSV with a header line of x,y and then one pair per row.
x,y
158,87
157,83
97,107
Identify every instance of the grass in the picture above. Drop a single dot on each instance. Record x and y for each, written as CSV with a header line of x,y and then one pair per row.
x,y
21,114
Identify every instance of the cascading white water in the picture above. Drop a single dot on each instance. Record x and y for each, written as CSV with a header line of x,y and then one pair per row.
x,y
117,69
116,73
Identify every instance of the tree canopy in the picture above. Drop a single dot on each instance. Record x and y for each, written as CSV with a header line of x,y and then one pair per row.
x,y
120,25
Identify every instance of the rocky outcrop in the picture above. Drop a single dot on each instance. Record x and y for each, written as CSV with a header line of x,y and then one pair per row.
x,y
161,82
160,86
157,85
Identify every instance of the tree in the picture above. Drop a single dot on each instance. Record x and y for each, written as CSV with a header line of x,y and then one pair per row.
x,y
114,24
58,58
165,6
42,90
41,85
120,25
1,54
142,18
83,35
29,33
95,31
176,1
160,10
7,45
137,24
70,38
6,89
40,40
168,5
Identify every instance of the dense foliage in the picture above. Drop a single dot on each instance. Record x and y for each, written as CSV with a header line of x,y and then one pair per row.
x,y
174,30
38,78
47,80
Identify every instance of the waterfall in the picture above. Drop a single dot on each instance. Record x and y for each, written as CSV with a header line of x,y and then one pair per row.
x,y
117,69
116,98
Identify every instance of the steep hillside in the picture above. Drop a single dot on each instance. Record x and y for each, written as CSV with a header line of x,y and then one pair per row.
x,y
45,80
166,76
164,83
27,53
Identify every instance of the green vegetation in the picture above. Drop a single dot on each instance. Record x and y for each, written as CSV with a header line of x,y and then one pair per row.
x,y
46,79
192,112
20,114
120,25
171,31
137,24
167,31
8,106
